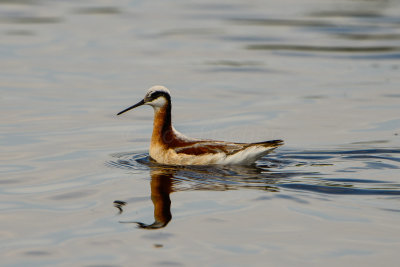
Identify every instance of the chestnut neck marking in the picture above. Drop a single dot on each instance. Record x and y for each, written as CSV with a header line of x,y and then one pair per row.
x,y
164,134
162,127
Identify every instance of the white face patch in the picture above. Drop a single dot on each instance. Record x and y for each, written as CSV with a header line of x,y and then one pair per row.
x,y
158,102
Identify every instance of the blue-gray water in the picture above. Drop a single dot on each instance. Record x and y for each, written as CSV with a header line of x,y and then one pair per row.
x,y
76,180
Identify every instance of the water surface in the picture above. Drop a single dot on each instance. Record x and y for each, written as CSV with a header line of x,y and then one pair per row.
x,y
77,187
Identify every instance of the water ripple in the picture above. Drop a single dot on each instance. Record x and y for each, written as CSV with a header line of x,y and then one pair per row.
x,y
311,48
340,190
311,171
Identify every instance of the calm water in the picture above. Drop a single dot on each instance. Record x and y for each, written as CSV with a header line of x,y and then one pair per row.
x,y
77,188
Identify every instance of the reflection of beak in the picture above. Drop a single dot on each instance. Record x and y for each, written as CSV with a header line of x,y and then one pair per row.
x,y
132,107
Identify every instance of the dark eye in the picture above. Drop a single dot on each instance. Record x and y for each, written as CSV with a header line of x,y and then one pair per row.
x,y
155,95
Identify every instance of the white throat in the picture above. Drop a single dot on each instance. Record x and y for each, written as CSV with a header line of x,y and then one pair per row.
x,y
158,103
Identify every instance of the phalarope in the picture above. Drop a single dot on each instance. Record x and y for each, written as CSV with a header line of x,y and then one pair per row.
x,y
168,146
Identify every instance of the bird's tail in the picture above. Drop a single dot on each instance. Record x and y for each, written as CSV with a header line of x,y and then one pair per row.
x,y
269,144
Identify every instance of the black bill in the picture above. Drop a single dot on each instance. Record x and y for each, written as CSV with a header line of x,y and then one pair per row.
x,y
132,107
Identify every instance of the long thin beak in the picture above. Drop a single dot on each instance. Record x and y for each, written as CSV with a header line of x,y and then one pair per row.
x,y
132,107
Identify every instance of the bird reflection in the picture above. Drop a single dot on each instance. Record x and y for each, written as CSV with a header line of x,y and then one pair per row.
x,y
292,170
161,188
167,179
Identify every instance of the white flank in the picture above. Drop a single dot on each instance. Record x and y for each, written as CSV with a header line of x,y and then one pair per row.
x,y
247,156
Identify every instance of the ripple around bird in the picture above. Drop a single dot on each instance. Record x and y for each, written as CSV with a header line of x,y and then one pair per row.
x,y
325,172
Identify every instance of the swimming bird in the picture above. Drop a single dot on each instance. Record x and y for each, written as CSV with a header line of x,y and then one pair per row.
x,y
168,146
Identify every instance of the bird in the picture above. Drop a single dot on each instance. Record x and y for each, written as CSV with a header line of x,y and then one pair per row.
x,y
170,147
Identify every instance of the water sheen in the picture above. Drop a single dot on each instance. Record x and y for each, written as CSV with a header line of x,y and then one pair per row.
x,y
77,187
327,172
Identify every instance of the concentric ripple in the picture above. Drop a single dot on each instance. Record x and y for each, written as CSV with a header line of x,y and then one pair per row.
x,y
325,172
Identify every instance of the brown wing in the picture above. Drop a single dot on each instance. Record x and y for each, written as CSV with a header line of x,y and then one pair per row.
x,y
213,147
210,147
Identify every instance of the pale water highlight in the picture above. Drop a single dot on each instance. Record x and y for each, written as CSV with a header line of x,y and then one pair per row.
x,y
77,186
